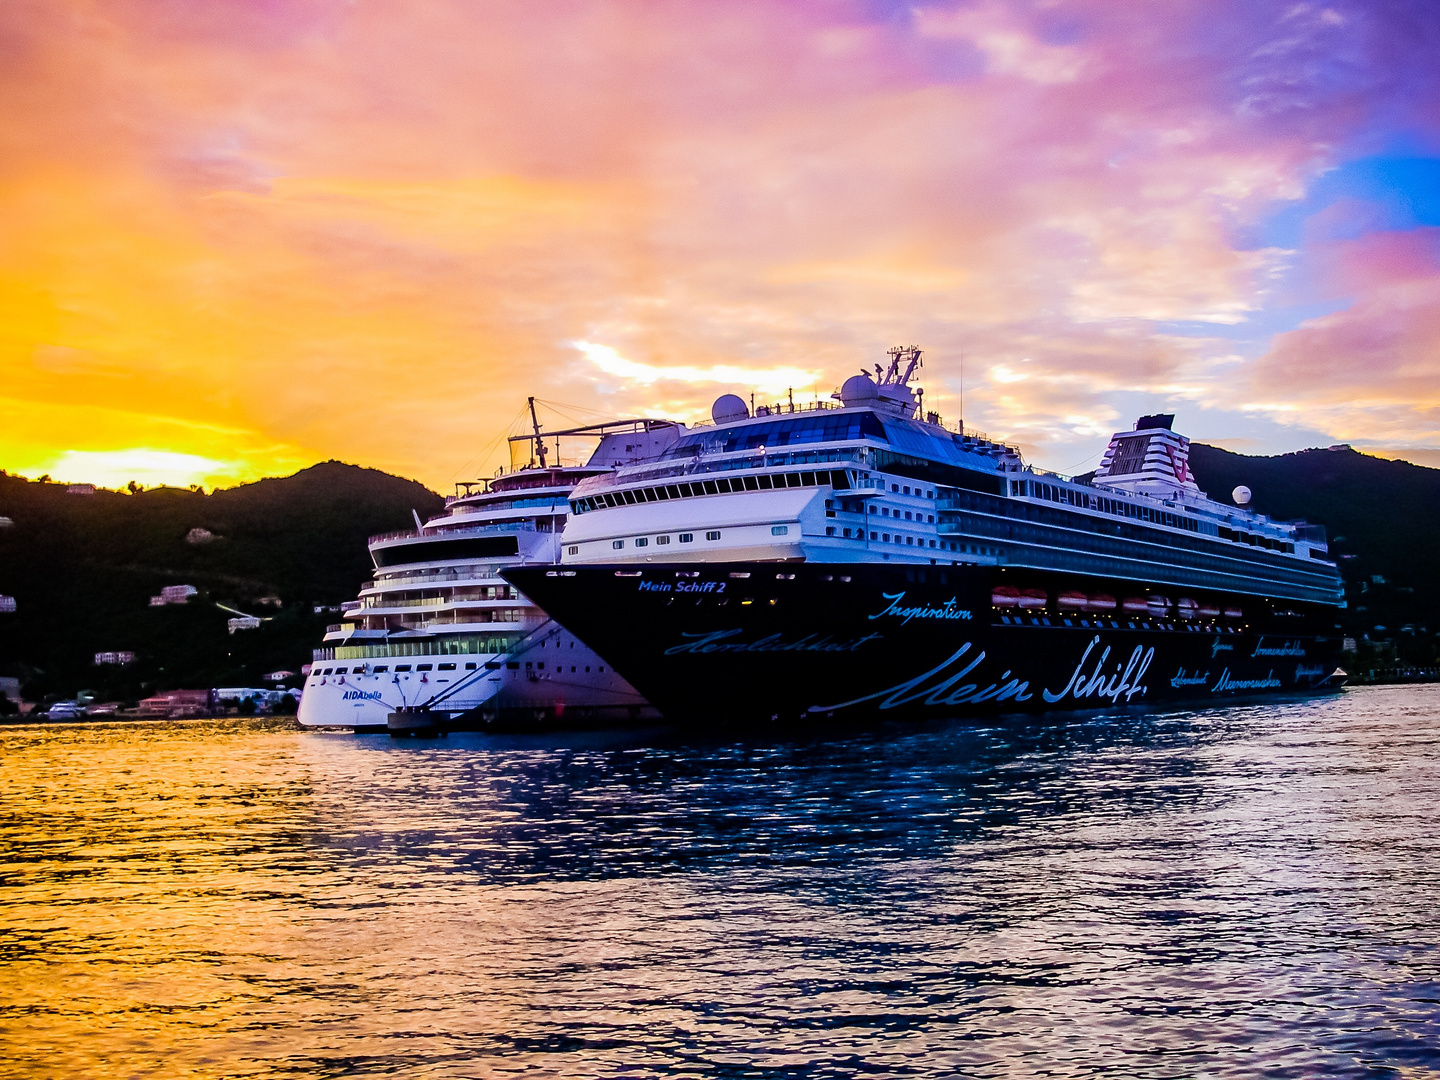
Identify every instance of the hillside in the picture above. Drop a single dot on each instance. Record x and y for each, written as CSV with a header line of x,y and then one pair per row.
x,y
82,569
1382,518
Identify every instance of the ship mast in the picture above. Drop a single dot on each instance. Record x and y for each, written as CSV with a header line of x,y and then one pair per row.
x,y
535,422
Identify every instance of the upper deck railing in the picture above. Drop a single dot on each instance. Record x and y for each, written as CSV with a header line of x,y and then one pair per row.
x,y
446,534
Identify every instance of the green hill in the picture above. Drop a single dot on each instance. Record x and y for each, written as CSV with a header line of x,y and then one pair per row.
x,y
1383,521
82,569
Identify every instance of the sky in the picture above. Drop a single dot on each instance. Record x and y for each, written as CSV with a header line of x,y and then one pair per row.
x,y
238,237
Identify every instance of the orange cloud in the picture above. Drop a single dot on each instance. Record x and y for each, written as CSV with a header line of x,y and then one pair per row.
x,y
260,234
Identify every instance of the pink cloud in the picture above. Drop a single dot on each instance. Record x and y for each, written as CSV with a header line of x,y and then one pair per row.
x,y
357,192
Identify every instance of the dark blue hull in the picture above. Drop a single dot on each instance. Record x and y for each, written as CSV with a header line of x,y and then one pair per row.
x,y
737,643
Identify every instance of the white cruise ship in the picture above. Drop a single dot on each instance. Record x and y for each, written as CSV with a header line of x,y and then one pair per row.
x,y
439,639
858,557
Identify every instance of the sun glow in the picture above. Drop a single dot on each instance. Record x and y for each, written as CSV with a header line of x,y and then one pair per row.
x,y
149,468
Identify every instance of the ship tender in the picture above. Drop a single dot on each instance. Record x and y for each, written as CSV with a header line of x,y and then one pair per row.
x,y
852,557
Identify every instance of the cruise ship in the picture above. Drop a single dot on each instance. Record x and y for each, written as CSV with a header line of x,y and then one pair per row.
x,y
438,639
858,557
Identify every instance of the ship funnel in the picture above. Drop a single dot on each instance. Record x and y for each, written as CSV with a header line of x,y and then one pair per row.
x,y
1152,459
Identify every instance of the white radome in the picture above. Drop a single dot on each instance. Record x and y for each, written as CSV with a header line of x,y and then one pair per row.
x,y
1241,495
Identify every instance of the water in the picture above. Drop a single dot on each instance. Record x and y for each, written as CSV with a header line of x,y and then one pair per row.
x,y
1242,892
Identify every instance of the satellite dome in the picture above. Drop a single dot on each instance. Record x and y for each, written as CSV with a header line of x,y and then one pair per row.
x,y
728,408
858,389
1241,495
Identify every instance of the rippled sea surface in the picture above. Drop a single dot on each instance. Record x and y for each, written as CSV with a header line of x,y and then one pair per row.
x,y
1240,892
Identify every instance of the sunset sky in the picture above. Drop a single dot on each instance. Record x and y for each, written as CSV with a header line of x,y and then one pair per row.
x,y
241,236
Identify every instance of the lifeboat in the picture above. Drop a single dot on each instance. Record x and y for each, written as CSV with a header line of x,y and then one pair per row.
x,y
1134,605
1233,613
1030,599
1005,596
1186,608
1072,601
1207,610
1159,606
1100,602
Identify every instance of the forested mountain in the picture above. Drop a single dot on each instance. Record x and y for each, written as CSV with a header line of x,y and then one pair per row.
x,y
1383,522
83,567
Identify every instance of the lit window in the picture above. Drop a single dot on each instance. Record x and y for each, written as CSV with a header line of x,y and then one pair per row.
x,y
775,530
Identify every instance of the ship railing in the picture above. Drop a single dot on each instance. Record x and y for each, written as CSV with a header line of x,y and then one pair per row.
x,y
436,602
401,580
783,458
473,530
784,408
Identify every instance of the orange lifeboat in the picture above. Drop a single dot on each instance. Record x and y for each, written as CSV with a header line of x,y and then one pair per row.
x,y
1234,613
1101,602
1072,601
1158,606
1005,596
1030,599
1186,608
1134,605
1208,610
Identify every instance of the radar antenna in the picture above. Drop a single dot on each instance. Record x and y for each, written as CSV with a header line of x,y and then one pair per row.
x,y
902,354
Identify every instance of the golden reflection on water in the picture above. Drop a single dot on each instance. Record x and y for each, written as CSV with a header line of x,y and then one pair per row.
x,y
1234,892
176,905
